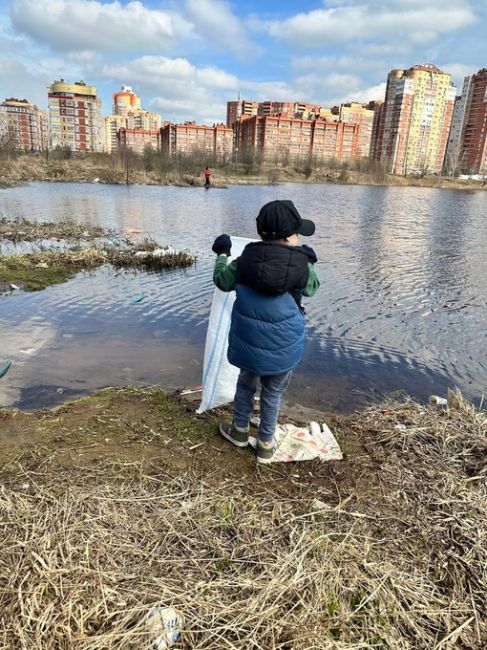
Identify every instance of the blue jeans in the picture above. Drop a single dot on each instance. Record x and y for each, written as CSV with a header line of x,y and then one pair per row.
x,y
272,390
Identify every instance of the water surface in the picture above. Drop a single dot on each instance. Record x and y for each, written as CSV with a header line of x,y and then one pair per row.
x,y
402,305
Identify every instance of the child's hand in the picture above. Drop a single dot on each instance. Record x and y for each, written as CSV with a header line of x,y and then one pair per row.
x,y
310,253
222,245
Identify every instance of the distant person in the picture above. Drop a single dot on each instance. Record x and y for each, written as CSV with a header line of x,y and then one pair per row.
x,y
266,338
207,176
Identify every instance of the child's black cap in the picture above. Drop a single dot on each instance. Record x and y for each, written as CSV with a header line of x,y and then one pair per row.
x,y
280,219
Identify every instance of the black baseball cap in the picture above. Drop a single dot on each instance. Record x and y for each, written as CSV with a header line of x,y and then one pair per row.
x,y
280,219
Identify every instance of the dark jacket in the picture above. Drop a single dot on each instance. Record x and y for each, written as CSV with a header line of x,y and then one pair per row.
x,y
267,330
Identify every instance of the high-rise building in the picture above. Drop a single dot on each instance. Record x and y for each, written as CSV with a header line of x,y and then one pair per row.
x,y
467,146
113,123
23,126
138,139
216,140
415,120
75,116
139,124
362,114
125,101
283,139
236,109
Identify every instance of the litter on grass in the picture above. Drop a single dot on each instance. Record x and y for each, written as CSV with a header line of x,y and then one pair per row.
x,y
296,443
164,626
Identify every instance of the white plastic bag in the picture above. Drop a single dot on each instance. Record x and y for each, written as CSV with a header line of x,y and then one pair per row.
x,y
219,377
164,626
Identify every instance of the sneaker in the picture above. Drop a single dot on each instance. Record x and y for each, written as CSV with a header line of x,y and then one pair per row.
x,y
265,451
238,437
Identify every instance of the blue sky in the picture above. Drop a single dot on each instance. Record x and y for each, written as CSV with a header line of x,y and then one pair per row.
x,y
186,58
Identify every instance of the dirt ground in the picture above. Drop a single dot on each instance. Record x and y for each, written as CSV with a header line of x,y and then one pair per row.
x,y
148,431
115,503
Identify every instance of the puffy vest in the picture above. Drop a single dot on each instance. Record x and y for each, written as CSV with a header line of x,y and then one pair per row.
x,y
267,329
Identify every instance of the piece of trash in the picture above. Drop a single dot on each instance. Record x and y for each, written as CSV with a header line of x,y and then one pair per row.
x,y
86,233
317,504
164,624
42,265
293,443
435,400
13,286
400,427
60,390
5,367
138,299
190,391
96,180
29,351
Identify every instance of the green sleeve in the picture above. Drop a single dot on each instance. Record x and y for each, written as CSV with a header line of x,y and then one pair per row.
x,y
224,274
313,283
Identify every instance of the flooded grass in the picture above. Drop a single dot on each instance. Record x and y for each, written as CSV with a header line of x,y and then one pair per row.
x,y
23,230
127,500
34,271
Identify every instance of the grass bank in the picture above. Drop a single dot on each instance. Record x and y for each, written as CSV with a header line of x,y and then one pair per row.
x,y
156,169
116,503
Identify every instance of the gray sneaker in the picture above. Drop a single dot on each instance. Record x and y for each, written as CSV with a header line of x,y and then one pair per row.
x,y
238,437
265,451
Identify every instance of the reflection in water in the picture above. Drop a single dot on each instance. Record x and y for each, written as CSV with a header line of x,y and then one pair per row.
x,y
401,306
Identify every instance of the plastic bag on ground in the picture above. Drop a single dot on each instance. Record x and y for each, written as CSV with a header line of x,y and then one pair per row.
x,y
295,443
164,626
219,377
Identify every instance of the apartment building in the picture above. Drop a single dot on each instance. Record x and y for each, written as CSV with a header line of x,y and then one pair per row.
x,y
187,138
415,120
239,108
113,124
125,101
283,139
138,139
467,147
128,114
23,126
338,140
75,116
139,121
361,114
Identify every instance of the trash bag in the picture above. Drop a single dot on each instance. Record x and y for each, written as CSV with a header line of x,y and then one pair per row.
x,y
219,377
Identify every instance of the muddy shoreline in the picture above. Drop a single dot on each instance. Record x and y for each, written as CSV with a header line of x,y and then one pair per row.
x,y
99,169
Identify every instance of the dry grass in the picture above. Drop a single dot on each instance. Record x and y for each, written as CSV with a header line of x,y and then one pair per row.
x,y
403,565
23,230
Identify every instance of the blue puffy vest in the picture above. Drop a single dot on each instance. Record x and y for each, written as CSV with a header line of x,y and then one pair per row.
x,y
267,329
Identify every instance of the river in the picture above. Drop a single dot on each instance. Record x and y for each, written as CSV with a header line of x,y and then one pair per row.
x,y
402,304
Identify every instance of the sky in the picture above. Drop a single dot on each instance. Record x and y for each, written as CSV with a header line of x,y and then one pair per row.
x,y
187,58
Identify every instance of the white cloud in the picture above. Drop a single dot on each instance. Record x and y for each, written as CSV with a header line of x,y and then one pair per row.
x,y
459,71
70,25
214,21
371,20
177,86
368,94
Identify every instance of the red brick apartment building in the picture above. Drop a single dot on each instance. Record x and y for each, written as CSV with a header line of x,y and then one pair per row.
x,y
282,138
138,139
23,126
473,139
189,137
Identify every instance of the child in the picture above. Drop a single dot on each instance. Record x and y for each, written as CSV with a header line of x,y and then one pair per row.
x,y
266,338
